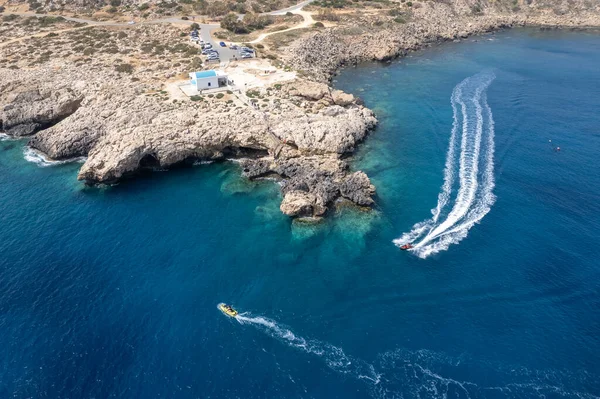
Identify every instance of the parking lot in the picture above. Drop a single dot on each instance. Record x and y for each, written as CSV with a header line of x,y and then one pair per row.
x,y
226,54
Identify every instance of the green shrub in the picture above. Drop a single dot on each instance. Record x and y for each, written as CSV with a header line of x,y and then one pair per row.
x,y
88,51
121,35
112,10
143,6
9,17
196,63
185,18
220,95
400,20
260,46
115,3
124,68
217,8
409,3
319,25
49,21
476,9
196,98
231,23
194,26
211,95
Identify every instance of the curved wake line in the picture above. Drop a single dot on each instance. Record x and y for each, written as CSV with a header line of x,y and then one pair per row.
x,y
422,373
333,356
474,196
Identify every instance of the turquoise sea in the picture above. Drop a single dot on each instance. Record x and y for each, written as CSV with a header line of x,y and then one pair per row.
x,y
113,292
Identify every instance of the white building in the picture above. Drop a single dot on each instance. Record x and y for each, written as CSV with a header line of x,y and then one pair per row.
x,y
211,79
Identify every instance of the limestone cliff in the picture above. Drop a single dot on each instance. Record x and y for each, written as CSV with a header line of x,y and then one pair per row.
x,y
299,136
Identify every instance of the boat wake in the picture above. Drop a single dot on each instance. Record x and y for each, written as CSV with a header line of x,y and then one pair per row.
x,y
421,373
334,357
42,160
466,193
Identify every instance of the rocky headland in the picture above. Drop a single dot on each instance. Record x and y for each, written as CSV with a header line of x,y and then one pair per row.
x,y
299,135
74,96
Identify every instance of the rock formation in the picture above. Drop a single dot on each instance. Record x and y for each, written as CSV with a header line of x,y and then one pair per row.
x,y
299,135
321,53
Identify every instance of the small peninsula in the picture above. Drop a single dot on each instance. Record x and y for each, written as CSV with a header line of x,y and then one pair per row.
x,y
111,82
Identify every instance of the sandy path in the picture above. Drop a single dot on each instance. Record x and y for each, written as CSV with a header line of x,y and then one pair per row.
x,y
308,21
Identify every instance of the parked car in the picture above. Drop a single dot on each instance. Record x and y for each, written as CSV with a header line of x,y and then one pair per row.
x,y
246,55
207,46
132,22
247,49
222,44
233,46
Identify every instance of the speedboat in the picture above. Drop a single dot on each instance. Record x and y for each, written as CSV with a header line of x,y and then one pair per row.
x,y
227,310
406,246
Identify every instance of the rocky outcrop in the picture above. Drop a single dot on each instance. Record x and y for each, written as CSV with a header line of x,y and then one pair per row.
x,y
358,188
28,110
298,136
321,53
298,203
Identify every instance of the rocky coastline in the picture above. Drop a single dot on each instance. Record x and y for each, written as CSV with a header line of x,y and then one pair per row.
x,y
300,135
434,23
300,131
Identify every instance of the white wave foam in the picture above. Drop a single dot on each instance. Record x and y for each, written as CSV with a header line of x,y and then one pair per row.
x,y
202,162
42,160
474,197
422,373
333,356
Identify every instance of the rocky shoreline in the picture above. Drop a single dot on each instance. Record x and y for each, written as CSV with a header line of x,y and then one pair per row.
x,y
299,135
299,131
434,23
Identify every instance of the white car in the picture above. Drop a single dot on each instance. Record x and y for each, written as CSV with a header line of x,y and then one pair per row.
x,y
131,22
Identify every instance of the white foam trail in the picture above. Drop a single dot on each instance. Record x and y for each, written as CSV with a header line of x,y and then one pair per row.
x,y
333,356
444,195
485,199
469,165
474,198
42,160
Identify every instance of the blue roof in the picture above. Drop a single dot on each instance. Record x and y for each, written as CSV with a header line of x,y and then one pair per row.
x,y
205,74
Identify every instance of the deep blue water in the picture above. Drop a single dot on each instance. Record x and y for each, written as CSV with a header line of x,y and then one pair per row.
x,y
113,292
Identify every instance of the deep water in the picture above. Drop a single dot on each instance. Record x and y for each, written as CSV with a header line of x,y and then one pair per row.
x,y
113,292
